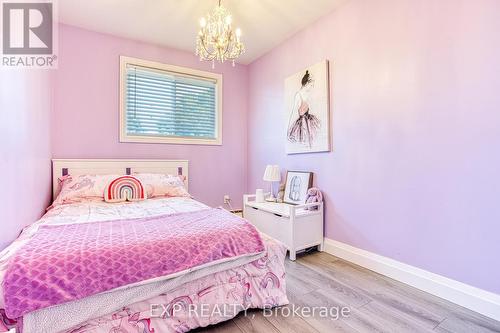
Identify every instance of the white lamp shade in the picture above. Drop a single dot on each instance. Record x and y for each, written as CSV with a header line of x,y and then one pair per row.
x,y
272,173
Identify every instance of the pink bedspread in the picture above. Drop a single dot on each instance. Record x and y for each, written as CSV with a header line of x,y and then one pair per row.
x,y
62,263
206,301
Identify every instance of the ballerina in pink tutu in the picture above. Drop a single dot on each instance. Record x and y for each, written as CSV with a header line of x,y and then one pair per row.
x,y
303,129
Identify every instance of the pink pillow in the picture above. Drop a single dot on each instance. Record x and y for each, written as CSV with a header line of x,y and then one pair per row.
x,y
82,188
161,185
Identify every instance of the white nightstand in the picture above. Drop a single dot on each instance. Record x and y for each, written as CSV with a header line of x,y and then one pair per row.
x,y
293,225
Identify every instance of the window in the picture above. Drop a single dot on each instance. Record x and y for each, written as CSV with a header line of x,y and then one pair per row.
x,y
168,104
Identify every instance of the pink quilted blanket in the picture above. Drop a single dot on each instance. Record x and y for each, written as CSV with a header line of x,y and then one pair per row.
x,y
62,263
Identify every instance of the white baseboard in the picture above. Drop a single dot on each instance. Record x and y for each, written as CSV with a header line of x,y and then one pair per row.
x,y
475,299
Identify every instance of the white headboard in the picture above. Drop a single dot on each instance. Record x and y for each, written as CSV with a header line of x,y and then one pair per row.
x,y
61,167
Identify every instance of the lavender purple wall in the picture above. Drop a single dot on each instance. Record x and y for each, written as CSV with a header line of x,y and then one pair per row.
x,y
415,91
25,104
86,115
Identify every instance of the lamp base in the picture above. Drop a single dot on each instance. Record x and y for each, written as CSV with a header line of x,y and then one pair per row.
x,y
271,198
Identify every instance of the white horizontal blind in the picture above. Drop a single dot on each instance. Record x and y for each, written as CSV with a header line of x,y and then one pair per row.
x,y
168,104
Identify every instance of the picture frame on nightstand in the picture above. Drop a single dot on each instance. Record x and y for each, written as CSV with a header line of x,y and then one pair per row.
x,y
296,185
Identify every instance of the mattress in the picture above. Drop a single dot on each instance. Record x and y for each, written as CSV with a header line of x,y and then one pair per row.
x,y
258,280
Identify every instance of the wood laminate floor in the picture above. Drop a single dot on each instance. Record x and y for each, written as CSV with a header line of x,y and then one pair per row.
x,y
377,304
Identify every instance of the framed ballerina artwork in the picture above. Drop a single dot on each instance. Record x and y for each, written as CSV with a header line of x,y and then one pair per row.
x,y
308,110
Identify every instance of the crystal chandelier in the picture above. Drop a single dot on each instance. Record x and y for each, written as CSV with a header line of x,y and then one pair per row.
x,y
216,39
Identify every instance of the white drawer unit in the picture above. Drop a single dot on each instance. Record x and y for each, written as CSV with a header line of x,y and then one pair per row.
x,y
293,225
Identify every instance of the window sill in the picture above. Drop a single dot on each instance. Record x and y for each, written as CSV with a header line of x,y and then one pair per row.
x,y
170,140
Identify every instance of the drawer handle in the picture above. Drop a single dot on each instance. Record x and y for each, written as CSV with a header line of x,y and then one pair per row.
x,y
278,215
255,208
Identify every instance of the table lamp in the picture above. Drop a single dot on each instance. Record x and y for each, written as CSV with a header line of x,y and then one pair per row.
x,y
272,174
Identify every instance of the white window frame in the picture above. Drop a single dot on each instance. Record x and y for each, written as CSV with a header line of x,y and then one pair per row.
x,y
125,137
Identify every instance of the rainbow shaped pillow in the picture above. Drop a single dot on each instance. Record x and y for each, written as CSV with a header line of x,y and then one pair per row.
x,y
124,188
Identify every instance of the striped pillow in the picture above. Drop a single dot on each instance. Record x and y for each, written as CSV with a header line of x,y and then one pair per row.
x,y
124,188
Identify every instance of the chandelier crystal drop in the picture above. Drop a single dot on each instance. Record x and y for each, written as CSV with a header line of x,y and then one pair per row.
x,y
216,39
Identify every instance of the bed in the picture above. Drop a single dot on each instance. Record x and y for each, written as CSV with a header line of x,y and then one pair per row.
x,y
243,270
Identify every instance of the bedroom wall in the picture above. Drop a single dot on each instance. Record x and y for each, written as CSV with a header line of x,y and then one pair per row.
x,y
86,116
25,106
414,92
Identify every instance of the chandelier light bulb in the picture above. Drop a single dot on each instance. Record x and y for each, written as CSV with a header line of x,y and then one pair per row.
x,y
216,40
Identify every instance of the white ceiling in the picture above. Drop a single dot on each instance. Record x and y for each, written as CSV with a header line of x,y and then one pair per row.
x,y
174,23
